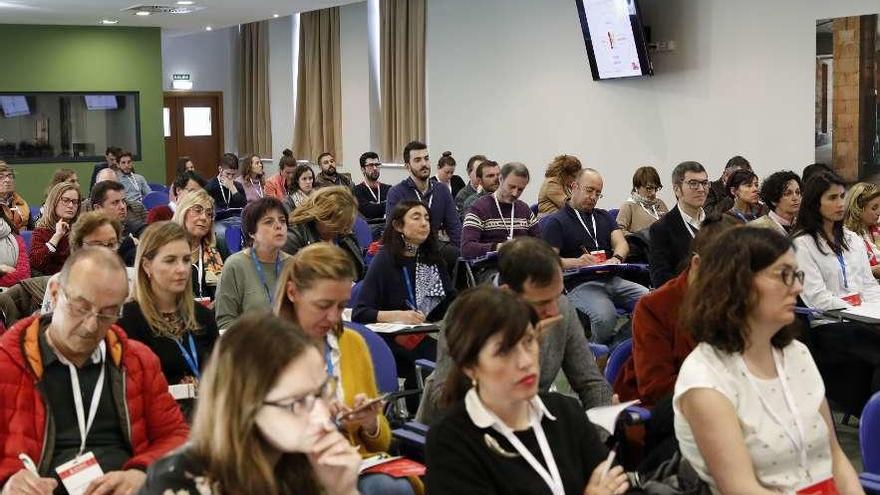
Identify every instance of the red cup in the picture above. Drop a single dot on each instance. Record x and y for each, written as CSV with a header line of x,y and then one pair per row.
x,y
204,301
599,256
854,298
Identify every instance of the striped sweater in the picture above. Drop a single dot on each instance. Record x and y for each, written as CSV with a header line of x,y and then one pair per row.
x,y
484,227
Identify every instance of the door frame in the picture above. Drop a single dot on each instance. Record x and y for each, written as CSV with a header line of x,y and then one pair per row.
x,y
219,96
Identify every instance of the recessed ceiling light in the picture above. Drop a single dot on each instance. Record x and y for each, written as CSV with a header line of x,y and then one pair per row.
x,y
276,16
207,28
142,13
185,2
109,21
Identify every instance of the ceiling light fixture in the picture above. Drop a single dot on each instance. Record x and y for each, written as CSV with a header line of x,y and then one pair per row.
x,y
276,16
109,21
142,13
208,28
185,2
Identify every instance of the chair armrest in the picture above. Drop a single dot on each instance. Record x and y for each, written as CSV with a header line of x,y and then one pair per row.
x,y
870,482
637,415
599,350
409,437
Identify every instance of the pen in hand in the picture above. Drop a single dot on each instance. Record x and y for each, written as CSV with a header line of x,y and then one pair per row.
x,y
29,464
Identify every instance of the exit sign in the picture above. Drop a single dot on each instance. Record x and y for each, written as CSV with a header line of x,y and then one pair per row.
x,y
180,77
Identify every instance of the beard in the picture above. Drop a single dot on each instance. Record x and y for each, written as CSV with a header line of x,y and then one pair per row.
x,y
373,176
331,171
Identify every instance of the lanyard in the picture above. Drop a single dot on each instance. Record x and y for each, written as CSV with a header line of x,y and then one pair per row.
x,y
552,477
512,209
191,357
687,224
262,275
225,200
842,264
200,270
592,234
797,437
85,425
133,185
328,358
256,185
430,200
410,293
655,215
378,197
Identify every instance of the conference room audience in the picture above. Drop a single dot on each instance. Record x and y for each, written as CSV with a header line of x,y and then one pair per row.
x,y
642,208
136,186
15,264
79,348
743,187
14,206
328,175
489,175
446,174
312,292
301,188
530,268
837,276
862,214
274,435
671,235
163,313
585,236
184,164
250,276
556,188
781,192
815,169
185,183
750,409
328,216
50,242
195,214
135,209
499,217
499,425
444,217
226,192
59,176
279,184
251,177
719,199
372,194
473,185
108,196
110,156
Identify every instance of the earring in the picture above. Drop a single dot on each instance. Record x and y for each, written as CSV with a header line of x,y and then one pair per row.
x,y
474,382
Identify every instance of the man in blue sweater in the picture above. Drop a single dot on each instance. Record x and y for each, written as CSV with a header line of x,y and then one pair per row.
x,y
444,217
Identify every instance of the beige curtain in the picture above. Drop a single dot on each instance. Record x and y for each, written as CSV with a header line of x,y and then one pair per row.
x,y
402,74
254,124
318,124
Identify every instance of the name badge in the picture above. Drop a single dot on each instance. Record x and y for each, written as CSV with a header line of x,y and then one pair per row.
x,y
211,278
826,487
77,473
183,391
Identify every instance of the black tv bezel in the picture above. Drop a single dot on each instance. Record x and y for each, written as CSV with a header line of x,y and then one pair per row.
x,y
638,36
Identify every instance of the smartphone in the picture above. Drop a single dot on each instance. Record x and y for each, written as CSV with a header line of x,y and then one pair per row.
x,y
388,397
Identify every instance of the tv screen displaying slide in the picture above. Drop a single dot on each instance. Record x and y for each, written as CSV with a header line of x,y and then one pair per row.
x,y
101,102
615,39
14,106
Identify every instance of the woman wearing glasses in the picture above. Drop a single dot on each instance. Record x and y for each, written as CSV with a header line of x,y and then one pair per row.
x,y
251,275
50,244
643,207
312,292
750,409
195,213
163,314
264,429
862,214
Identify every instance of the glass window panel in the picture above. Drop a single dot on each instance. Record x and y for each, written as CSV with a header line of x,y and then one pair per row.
x,y
196,121
166,119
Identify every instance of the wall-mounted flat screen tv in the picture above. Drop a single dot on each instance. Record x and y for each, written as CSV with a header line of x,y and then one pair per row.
x,y
101,102
14,106
615,38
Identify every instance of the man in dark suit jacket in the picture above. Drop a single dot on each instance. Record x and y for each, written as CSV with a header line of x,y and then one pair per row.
x,y
671,235
226,192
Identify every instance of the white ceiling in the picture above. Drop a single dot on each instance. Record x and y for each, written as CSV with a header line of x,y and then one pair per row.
x,y
216,13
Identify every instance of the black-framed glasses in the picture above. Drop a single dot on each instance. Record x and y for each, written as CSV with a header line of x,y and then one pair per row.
x,y
306,403
695,185
82,310
789,275
113,245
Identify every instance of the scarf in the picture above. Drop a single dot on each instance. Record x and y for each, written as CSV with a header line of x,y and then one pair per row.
x,y
646,203
8,245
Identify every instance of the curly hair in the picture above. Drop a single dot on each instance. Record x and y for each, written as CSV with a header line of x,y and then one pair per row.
x,y
857,198
563,167
774,186
334,207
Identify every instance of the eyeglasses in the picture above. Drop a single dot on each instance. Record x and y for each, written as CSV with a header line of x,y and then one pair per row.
x,y
7,176
373,165
113,245
82,310
789,275
68,201
201,210
653,188
696,185
589,191
306,403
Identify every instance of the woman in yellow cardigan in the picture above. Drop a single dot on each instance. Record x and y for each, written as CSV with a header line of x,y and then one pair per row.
x,y
313,290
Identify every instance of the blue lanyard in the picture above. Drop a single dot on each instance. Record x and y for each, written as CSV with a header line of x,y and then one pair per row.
x,y
410,293
262,275
843,270
191,357
328,359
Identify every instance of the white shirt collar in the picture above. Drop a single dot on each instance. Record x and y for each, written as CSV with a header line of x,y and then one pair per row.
x,y
695,222
484,418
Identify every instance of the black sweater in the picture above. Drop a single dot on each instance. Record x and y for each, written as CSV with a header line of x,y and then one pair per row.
x,y
459,461
174,367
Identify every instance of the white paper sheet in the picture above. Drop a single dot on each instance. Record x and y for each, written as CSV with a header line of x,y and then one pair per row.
x,y
606,416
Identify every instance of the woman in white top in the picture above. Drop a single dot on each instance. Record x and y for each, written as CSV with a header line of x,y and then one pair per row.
x,y
750,412
862,214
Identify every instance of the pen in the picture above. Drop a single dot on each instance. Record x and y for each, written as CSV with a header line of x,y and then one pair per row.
x,y
608,461
29,464
584,248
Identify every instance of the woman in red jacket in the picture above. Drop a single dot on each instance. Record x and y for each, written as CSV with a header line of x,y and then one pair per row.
x,y
50,245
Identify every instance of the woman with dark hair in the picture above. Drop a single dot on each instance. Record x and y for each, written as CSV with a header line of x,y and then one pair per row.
x,y
301,188
862,214
781,192
556,189
643,207
250,276
750,409
446,174
743,187
265,428
251,177
501,436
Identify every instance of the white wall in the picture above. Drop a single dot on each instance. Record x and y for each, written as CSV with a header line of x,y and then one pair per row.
x,y
211,60
282,37
510,78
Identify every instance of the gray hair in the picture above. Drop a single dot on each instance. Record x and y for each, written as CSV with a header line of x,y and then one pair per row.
x,y
516,168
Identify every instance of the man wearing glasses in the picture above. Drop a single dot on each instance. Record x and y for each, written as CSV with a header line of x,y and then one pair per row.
x,y
14,206
83,400
372,194
587,236
671,235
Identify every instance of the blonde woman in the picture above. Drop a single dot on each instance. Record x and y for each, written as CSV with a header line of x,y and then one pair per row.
x,y
556,189
50,243
862,214
195,213
312,292
251,178
163,314
327,216
265,428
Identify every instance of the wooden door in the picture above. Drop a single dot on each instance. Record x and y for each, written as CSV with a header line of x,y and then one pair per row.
x,y
193,128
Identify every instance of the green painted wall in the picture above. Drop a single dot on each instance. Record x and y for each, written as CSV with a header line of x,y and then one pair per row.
x,y
87,58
